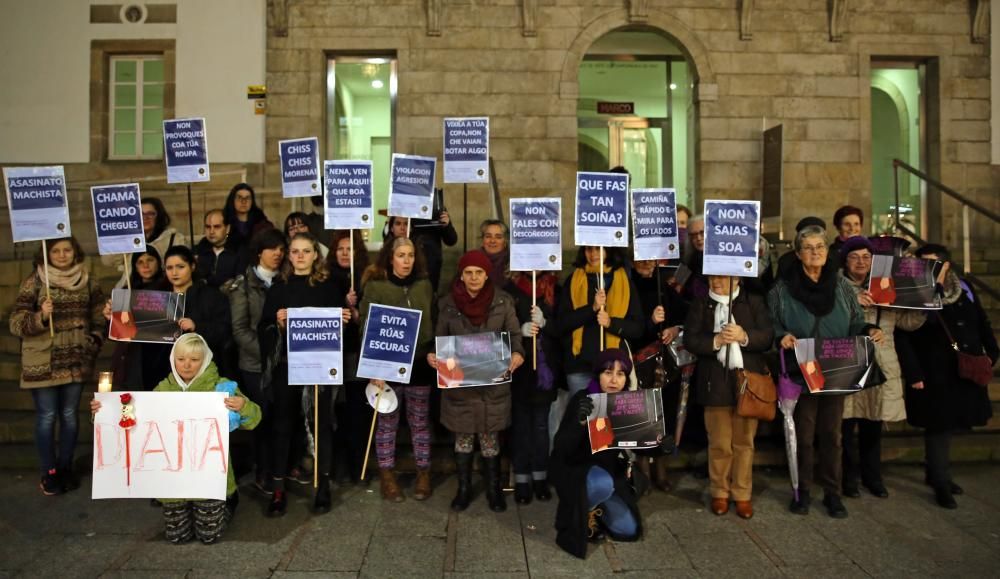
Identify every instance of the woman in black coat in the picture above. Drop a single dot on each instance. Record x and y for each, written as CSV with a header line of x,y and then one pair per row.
x,y
594,490
937,399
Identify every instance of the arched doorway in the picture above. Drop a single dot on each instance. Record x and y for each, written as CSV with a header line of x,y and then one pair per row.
x,y
635,108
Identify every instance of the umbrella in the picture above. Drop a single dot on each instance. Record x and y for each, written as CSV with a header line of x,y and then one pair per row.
x,y
682,406
788,397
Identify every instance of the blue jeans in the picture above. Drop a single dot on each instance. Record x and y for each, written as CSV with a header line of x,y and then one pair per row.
x,y
617,517
50,403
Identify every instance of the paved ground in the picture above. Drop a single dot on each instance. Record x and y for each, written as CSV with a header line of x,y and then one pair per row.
x,y
904,536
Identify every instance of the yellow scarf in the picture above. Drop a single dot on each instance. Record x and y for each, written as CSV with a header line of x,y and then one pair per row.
x,y
616,306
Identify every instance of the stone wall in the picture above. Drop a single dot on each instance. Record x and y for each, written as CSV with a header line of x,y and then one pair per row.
x,y
484,63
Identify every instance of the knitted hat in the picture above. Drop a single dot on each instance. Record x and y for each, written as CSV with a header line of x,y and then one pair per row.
x,y
807,221
607,359
854,244
475,258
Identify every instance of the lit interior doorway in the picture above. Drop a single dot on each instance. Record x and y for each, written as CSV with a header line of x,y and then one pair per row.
x,y
360,120
635,110
898,117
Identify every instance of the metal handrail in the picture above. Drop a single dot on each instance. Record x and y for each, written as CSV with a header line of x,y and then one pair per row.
x,y
966,234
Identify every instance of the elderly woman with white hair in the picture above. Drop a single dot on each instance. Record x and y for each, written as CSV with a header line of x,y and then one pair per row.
x,y
812,300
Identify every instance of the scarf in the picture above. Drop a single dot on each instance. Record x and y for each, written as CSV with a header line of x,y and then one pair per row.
x,y
266,275
721,319
403,281
818,297
501,265
546,286
474,308
73,278
617,304
951,289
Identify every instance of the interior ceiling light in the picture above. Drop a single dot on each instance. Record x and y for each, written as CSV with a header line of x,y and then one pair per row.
x,y
376,83
673,86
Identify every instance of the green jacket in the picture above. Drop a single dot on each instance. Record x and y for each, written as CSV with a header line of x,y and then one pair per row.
x,y
418,296
206,383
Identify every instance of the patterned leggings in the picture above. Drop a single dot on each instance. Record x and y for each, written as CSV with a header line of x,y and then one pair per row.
x,y
203,519
489,443
416,399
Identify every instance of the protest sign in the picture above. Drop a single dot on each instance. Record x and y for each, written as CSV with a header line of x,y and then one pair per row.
x,y
601,209
145,316
36,198
467,150
299,167
835,365
118,219
348,195
315,346
631,419
411,187
903,282
888,245
473,359
536,234
185,150
177,447
654,223
732,230
389,343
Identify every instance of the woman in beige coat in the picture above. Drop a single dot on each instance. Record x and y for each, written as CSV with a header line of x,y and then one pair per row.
x,y
865,411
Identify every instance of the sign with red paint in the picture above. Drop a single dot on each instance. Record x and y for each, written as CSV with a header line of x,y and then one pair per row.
x,y
178,447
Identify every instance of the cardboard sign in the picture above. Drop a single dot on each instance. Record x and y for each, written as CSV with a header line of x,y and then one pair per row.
x,y
411,187
299,167
601,209
36,198
835,365
473,360
145,316
185,150
348,195
118,219
732,231
904,282
654,220
315,346
536,234
389,343
178,448
467,150
630,419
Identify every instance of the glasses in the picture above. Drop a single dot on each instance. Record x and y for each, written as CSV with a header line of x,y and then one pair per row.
x,y
822,248
696,233
149,214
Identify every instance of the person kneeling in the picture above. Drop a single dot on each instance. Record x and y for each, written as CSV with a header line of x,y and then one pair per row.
x,y
594,490
192,370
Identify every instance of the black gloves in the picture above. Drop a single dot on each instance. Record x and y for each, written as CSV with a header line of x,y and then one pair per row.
x,y
585,408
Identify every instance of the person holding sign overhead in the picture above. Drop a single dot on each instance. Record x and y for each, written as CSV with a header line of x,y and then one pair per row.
x,y
812,300
399,278
305,282
54,368
475,306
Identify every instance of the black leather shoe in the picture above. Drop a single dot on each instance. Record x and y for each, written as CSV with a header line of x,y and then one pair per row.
x,y
851,492
877,489
322,501
522,493
834,507
278,505
945,498
954,488
801,506
542,492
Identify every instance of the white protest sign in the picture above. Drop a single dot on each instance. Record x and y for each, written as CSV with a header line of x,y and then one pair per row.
x,y
36,198
178,448
411,186
536,234
467,150
185,150
389,343
348,195
118,219
601,209
654,217
315,346
732,231
299,164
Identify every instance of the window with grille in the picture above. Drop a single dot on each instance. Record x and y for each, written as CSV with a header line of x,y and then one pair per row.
x,y
135,108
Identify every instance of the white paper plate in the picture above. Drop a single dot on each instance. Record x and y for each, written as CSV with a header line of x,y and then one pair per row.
x,y
387,403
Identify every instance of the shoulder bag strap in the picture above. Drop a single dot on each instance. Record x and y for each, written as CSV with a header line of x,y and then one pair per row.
x,y
947,332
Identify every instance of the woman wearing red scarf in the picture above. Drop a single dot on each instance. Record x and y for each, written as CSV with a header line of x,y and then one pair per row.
x,y
475,306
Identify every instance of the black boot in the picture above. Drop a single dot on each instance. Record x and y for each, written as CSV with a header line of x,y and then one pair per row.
x,y
279,500
494,491
463,465
800,506
322,501
522,493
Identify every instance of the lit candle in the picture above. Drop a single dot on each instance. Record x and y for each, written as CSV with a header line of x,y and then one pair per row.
x,y
104,382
